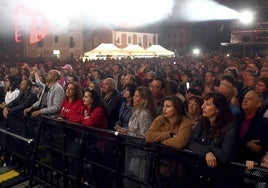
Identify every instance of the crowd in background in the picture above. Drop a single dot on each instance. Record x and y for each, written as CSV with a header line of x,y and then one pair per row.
x,y
212,104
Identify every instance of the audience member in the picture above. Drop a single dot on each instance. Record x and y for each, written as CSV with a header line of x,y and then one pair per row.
x,y
125,111
72,78
194,110
210,77
12,90
253,128
186,81
94,112
227,89
143,112
96,86
24,100
262,87
158,90
66,71
255,172
172,128
71,105
249,82
215,135
112,100
51,98
118,70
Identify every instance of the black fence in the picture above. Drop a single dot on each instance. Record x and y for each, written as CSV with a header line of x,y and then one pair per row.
x,y
57,153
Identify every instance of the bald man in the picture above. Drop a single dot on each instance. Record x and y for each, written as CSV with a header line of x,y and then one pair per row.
x,y
51,97
112,99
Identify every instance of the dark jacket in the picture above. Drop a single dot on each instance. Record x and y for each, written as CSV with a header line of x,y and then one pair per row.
x,y
257,130
2,94
113,106
24,100
223,147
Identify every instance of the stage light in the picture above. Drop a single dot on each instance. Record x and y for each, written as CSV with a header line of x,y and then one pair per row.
x,y
196,51
246,17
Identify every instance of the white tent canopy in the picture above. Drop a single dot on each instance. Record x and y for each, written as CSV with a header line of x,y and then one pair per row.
x,y
158,50
134,50
104,49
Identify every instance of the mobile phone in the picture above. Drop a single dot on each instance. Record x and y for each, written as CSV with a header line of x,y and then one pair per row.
x,y
187,85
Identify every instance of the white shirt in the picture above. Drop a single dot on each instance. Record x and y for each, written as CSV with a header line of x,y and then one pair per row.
x,y
11,95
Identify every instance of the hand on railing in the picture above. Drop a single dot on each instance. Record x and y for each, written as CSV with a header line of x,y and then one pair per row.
x,y
120,129
211,160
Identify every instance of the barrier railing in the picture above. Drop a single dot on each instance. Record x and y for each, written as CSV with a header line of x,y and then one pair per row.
x,y
71,155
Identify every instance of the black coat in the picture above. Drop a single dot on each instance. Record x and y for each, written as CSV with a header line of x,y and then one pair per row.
x,y
24,100
2,94
223,147
113,106
257,130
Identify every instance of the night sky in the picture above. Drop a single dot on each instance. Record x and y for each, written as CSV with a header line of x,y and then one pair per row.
x,y
210,34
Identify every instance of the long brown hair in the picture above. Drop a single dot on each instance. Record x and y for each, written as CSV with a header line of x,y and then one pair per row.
x,y
146,94
178,105
77,89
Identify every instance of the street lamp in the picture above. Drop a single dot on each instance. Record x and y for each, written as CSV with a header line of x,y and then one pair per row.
x,y
196,51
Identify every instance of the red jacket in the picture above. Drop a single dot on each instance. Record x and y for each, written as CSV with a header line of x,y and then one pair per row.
x,y
72,111
94,118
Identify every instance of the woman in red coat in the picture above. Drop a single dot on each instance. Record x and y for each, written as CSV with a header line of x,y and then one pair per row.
x,y
94,113
71,105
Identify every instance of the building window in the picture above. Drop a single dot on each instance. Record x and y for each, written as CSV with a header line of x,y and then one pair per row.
x,y
150,41
96,41
117,40
56,39
181,45
174,45
71,45
139,41
71,55
129,39
181,34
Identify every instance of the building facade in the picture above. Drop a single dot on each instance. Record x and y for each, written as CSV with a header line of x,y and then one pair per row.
x,y
248,40
119,37
176,37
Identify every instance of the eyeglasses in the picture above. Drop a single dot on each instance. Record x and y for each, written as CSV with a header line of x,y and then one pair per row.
x,y
6,80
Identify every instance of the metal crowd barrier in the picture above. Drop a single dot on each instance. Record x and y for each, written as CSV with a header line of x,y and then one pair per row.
x,y
71,155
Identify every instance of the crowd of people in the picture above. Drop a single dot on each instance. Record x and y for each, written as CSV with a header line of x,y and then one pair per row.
x,y
214,105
